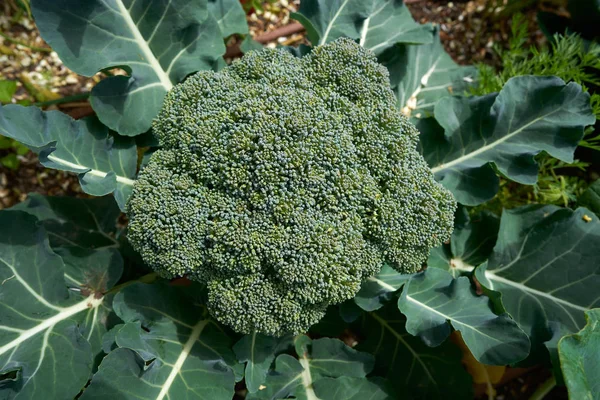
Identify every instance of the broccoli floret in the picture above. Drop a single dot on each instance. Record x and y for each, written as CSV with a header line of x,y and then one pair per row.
x,y
282,183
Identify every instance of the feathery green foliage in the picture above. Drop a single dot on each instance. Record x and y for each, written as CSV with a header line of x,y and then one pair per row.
x,y
282,183
571,59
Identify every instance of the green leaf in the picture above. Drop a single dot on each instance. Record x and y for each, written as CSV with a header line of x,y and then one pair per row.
x,y
543,266
285,380
530,114
168,348
70,221
433,301
159,43
377,24
230,16
591,198
104,163
348,388
377,290
415,369
327,20
109,339
471,244
89,270
422,74
43,344
318,359
258,352
7,90
389,22
10,161
579,359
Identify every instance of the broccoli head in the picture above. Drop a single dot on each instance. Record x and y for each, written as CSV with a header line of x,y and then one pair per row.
x,y
282,183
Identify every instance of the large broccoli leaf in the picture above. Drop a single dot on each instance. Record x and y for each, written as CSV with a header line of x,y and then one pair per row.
x,y
229,15
433,300
86,223
420,75
167,348
320,359
471,243
580,361
377,290
44,348
158,42
377,24
416,370
104,163
530,114
542,268
258,352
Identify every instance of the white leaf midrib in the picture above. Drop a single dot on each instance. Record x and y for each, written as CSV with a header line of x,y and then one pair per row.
x,y
307,381
490,275
459,265
101,174
185,352
332,22
383,284
493,144
449,318
65,313
144,47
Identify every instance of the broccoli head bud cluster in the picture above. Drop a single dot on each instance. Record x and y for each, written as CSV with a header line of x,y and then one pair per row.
x,y
282,183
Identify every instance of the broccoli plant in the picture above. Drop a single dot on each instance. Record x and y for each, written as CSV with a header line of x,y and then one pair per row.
x,y
291,226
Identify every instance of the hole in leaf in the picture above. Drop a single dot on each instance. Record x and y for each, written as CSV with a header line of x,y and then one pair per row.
x,y
10,375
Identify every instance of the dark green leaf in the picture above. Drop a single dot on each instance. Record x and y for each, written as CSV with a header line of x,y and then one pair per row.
x,y
104,163
158,42
44,326
389,22
318,359
91,270
591,198
379,289
285,380
471,244
580,359
109,339
530,114
433,301
543,266
167,348
422,74
348,388
258,352
327,20
416,370
69,221
377,24
229,15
